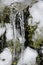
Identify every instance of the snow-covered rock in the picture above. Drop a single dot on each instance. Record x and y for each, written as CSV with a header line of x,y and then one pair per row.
x,y
9,32
7,2
1,63
6,57
36,12
28,57
21,39
2,30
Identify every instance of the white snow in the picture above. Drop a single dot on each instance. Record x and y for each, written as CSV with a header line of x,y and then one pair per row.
x,y
8,2
9,32
7,56
21,39
28,57
2,30
37,12
1,63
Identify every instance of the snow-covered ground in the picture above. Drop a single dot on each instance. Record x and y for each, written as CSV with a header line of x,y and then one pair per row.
x,y
6,57
28,57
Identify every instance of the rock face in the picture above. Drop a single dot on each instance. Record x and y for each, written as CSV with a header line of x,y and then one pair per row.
x,y
28,57
6,57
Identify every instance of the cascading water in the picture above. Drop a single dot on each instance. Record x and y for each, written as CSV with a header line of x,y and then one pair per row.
x,y
20,27
16,19
17,25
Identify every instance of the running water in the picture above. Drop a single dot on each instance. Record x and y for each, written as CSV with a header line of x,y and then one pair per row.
x,y
17,21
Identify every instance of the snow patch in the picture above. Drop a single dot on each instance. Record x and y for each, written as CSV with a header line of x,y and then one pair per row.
x,y
37,12
6,57
28,57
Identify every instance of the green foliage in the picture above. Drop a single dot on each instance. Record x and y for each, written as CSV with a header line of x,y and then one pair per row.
x,y
37,44
10,45
6,14
17,46
0,17
15,62
17,52
38,59
29,32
